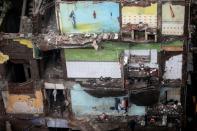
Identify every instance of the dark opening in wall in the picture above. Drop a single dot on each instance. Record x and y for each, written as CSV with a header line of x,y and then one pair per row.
x,y
126,35
52,65
139,35
151,37
56,100
51,56
11,22
18,72
58,129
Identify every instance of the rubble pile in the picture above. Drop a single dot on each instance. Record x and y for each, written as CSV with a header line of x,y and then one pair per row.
x,y
169,110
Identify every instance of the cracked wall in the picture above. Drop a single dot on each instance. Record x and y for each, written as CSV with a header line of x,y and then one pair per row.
x,y
22,103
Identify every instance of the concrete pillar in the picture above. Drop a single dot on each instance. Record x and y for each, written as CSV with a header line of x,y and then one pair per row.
x,y
26,71
34,69
132,34
155,38
146,36
159,18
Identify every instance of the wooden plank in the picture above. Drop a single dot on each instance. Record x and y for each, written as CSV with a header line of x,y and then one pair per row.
x,y
172,48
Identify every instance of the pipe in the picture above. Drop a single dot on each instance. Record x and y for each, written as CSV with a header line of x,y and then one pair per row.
x,y
23,13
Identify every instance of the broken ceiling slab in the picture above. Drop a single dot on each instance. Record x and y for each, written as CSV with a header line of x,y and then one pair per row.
x,y
99,93
15,36
103,87
53,40
138,3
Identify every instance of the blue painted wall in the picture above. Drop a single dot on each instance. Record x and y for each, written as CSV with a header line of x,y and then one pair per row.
x,y
89,17
85,104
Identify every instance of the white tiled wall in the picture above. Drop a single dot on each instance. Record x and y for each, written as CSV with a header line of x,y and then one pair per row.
x,y
172,25
172,28
151,20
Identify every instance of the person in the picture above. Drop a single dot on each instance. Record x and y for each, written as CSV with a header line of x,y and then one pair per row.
x,y
103,116
94,14
119,107
72,16
54,94
117,101
124,104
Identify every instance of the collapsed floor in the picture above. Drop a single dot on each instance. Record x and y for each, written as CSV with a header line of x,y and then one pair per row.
x,y
55,80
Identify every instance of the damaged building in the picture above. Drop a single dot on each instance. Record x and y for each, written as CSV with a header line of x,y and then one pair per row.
x,y
94,65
